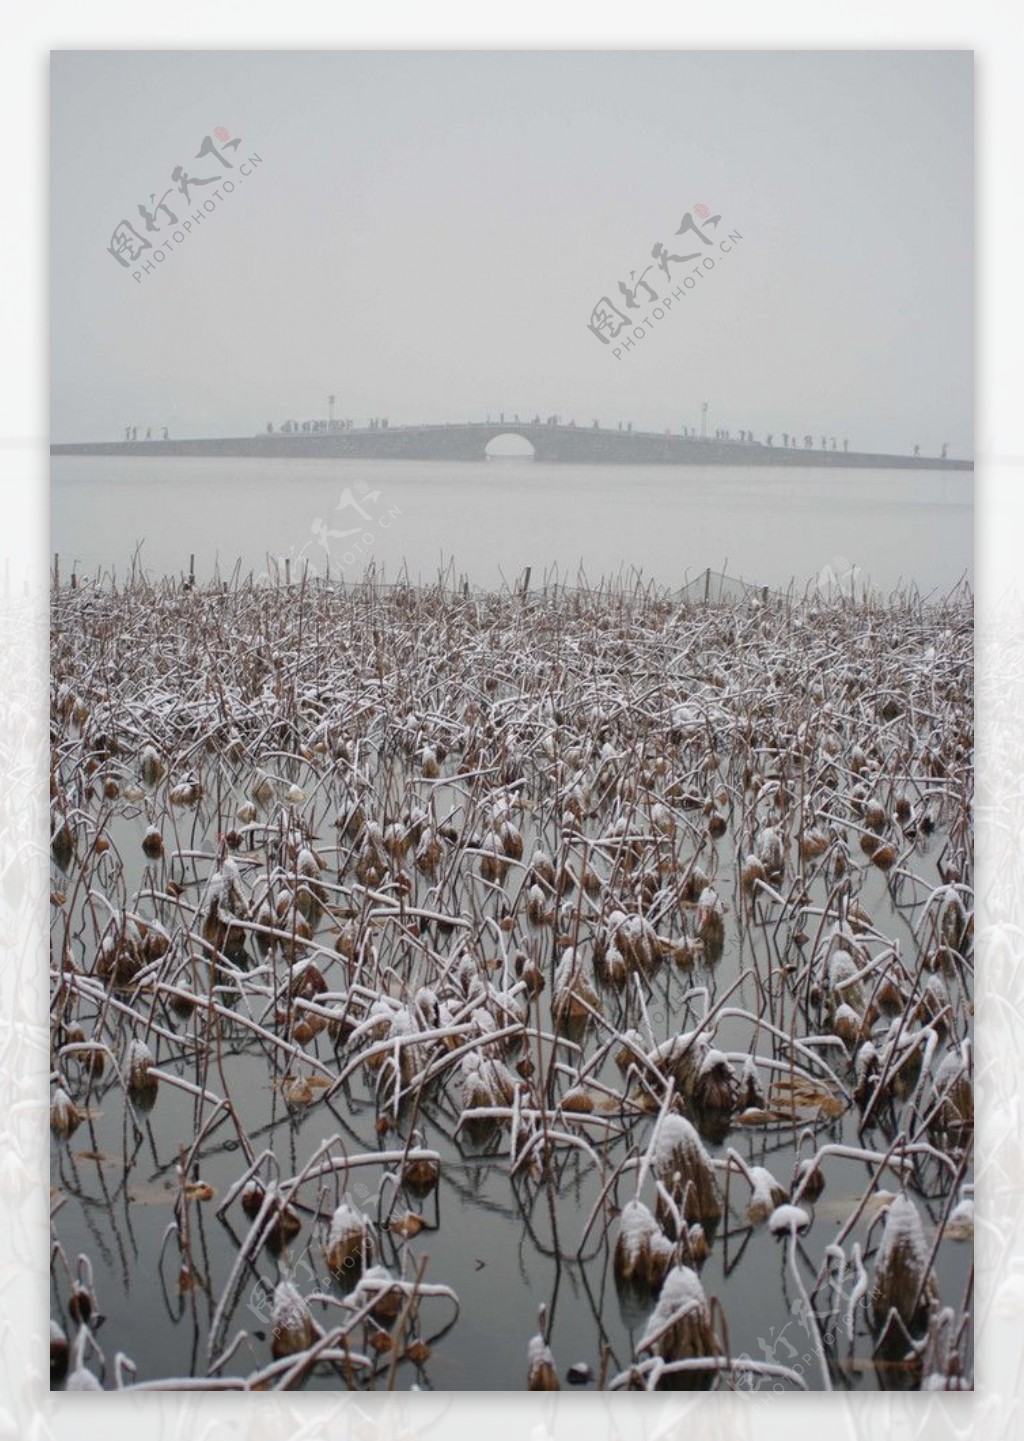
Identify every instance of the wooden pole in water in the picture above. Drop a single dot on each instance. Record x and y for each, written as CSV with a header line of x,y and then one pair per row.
x,y
707,584
287,571
191,571
56,570
526,579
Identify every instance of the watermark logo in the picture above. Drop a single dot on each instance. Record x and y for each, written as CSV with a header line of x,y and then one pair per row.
x,y
354,542
786,1347
608,322
839,577
129,245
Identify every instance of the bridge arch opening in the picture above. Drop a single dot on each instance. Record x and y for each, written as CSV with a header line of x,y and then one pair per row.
x,y
509,446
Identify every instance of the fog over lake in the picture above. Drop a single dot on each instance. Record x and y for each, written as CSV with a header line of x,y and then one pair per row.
x,y
491,520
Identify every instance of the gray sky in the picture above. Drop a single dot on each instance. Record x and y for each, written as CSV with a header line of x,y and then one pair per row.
x,y
427,234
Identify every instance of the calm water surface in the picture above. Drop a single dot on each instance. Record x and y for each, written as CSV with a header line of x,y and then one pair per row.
x,y
490,520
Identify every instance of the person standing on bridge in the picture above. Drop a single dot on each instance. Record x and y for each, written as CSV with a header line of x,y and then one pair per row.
x,y
945,449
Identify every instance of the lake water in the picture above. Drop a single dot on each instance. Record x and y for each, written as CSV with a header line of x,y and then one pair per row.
x,y
490,520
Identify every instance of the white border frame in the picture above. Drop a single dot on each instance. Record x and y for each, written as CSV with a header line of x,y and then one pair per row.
x,y
27,1408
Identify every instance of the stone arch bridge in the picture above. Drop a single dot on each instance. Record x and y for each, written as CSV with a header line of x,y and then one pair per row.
x,y
583,445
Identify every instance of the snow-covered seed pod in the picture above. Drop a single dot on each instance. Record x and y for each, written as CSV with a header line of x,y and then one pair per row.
x,y
63,845
377,1285
636,939
751,1093
511,841
186,793
493,861
538,911
954,1092
428,854
65,1116
960,1221
662,819
421,1175
631,1050
788,1220
813,843
684,1168
310,894
716,1090
263,789
697,1244
643,1253
867,1068
153,843
139,1069
875,817
252,1197
771,853
578,1099
847,1024
224,903
292,1325
766,1195
151,766
710,922
610,965
574,995
350,1243
680,1328
396,840
808,1180
531,975
542,869
902,1280
752,874
844,987
542,1374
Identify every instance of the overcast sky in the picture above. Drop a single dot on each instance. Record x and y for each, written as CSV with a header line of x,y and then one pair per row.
x,y
426,235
